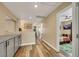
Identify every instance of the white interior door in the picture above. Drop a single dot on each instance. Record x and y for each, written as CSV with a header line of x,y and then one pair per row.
x,y
75,29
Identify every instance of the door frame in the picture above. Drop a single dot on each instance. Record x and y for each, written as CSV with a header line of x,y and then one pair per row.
x,y
58,25
75,29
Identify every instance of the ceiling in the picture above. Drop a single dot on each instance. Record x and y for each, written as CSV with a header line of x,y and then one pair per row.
x,y
27,11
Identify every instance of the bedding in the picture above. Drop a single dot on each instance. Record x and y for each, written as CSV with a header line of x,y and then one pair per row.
x,y
66,48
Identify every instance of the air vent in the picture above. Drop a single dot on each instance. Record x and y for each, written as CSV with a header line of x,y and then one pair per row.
x,y
40,17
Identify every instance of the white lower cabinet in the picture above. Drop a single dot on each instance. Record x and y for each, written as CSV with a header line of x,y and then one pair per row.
x,y
16,44
10,47
19,40
3,49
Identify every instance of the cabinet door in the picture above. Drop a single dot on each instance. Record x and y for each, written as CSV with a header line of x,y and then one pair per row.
x,y
16,44
10,47
19,39
3,49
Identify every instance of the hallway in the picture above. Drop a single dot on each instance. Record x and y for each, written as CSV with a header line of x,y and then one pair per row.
x,y
38,29
38,50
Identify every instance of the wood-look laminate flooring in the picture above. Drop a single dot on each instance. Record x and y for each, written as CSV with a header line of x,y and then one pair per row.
x,y
38,50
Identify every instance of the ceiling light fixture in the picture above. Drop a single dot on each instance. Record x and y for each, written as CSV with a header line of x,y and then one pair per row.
x,y
30,17
35,6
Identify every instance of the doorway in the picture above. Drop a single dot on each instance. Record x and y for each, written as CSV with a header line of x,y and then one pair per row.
x,y
64,31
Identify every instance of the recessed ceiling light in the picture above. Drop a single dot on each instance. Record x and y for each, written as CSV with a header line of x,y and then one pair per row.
x,y
30,17
35,6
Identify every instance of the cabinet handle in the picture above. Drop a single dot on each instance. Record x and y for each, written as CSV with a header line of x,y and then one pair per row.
x,y
7,43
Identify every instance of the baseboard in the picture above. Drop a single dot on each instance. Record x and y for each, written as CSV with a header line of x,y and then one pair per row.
x,y
50,45
27,44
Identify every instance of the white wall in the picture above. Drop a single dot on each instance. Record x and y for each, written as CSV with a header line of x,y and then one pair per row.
x,y
28,35
6,25
50,26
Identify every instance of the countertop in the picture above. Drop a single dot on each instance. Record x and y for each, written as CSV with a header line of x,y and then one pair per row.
x,y
7,37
